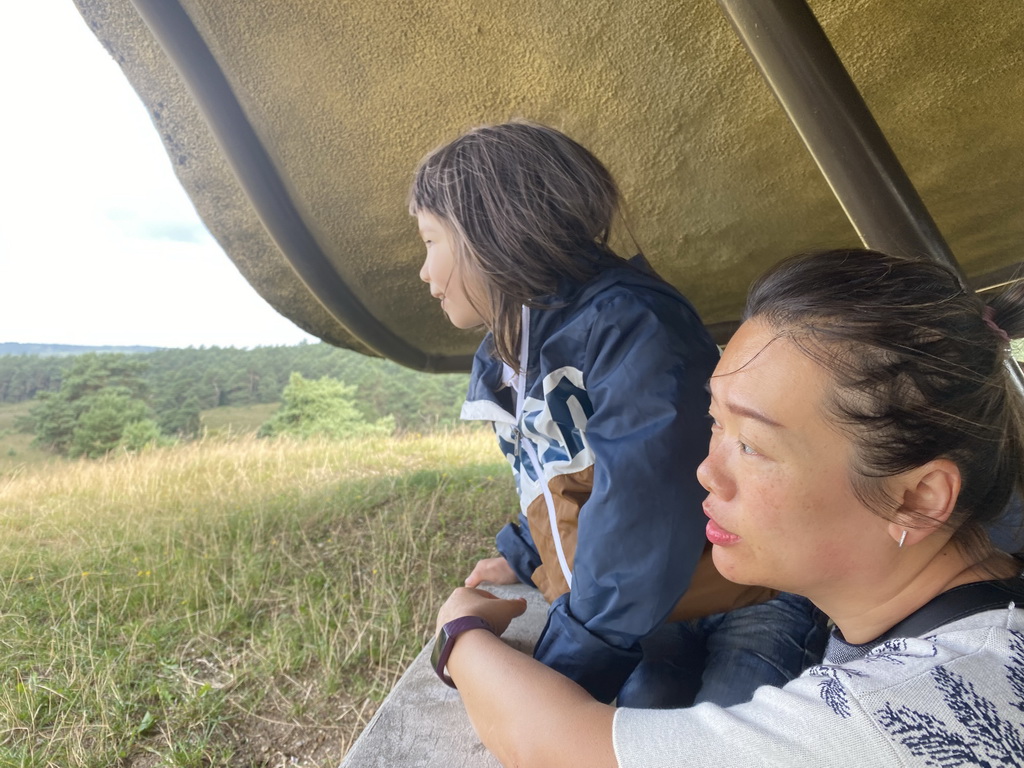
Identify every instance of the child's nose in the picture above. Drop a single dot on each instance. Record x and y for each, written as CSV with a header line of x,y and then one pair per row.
x,y
424,275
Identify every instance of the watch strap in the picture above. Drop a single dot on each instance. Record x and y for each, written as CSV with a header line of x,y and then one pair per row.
x,y
446,640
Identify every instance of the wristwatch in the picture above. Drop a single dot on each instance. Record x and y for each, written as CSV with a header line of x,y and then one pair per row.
x,y
446,639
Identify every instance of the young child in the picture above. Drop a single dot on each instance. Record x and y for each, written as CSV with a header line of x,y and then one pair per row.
x,y
594,374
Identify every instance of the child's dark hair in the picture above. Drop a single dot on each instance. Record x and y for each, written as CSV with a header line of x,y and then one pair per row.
x,y
528,208
919,366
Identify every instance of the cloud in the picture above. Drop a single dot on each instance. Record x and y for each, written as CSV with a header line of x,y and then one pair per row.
x,y
142,225
98,242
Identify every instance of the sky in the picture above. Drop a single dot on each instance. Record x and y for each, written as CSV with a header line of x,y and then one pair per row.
x,y
99,244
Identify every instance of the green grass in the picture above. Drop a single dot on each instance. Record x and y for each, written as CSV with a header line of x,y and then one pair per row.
x,y
229,603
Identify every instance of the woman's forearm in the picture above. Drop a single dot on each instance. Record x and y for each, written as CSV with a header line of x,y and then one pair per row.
x,y
528,715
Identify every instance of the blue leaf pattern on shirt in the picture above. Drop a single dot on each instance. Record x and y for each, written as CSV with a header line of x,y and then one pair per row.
x,y
1015,670
897,649
927,737
831,689
833,694
893,651
991,740
890,650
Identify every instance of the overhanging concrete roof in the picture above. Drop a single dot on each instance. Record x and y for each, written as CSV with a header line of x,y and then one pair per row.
x,y
339,100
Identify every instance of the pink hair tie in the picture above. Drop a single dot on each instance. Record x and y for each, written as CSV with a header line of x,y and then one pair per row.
x,y
989,316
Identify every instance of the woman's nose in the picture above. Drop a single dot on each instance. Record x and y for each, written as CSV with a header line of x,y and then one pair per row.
x,y
711,476
704,474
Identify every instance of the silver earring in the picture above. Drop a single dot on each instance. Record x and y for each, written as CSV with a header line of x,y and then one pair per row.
x,y
903,537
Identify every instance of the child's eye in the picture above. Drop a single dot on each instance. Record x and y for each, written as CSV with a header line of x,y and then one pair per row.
x,y
714,421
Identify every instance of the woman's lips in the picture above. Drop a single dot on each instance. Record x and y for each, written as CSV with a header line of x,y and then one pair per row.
x,y
717,534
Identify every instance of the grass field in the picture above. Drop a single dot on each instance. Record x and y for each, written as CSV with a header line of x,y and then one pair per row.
x,y
232,602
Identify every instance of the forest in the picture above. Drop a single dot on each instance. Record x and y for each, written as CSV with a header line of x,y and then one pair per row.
x,y
162,392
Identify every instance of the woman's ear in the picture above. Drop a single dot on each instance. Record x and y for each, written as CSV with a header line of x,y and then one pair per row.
x,y
928,497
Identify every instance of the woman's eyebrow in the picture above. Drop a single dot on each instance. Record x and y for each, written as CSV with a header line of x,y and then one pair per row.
x,y
750,413
753,413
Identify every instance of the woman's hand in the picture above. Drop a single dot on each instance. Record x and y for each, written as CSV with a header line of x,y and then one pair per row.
x,y
476,602
494,570
507,694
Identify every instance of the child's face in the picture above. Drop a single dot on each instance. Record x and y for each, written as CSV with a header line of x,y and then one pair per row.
x,y
441,271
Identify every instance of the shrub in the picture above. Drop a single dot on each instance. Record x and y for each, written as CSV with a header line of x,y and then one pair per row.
x,y
323,407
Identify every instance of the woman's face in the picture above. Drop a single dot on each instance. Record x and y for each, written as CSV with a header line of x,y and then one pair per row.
x,y
441,271
780,505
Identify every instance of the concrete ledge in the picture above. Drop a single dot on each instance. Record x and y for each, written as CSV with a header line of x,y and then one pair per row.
x,y
422,722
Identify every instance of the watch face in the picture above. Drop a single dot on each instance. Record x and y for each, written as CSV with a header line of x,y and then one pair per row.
x,y
435,655
445,639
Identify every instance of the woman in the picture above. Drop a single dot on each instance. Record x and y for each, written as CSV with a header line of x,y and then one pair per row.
x,y
865,432
593,375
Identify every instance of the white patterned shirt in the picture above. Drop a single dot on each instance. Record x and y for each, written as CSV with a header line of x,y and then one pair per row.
x,y
954,697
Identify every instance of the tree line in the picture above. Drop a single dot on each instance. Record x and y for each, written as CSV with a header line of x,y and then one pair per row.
x,y
164,391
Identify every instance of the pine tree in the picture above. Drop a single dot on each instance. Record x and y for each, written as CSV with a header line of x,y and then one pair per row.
x,y
99,397
101,425
321,407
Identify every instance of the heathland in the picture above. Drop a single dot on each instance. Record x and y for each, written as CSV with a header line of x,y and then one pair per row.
x,y
226,600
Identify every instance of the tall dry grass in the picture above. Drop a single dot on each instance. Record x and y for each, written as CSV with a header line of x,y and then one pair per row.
x,y
229,602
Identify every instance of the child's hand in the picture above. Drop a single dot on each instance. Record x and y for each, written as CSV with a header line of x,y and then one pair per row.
x,y
493,570
476,602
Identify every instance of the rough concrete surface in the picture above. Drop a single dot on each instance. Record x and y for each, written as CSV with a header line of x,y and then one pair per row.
x,y
345,98
422,722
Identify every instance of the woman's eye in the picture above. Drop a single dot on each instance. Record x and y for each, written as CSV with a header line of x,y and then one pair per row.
x,y
747,450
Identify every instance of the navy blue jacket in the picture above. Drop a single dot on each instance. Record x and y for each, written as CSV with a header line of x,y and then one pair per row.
x,y
616,407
